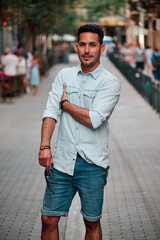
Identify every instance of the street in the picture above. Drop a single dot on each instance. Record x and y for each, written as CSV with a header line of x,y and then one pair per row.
x,y
131,208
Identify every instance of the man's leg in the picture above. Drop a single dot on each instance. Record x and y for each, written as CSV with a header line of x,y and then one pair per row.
x,y
50,228
90,180
93,230
57,200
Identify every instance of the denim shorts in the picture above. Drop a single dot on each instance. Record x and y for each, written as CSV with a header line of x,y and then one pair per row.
x,y
88,180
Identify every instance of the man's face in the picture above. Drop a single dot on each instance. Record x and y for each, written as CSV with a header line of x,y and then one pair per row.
x,y
89,50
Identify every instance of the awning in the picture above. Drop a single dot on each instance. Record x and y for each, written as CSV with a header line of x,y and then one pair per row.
x,y
112,21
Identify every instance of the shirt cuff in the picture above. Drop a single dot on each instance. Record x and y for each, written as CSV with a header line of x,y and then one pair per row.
x,y
50,113
96,119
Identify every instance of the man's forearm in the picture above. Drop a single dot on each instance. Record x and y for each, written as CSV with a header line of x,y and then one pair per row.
x,y
79,114
47,130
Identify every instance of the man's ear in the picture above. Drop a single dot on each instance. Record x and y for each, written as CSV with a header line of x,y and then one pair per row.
x,y
102,48
76,47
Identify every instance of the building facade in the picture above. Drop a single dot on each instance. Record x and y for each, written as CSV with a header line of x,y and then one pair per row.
x,y
143,23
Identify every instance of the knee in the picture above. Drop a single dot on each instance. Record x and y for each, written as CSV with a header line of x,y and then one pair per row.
x,y
49,222
92,225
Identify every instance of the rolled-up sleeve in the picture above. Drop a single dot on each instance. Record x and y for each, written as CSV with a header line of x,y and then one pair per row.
x,y
52,107
104,102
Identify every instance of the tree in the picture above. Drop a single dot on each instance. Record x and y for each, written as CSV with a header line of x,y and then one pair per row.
x,y
97,9
40,17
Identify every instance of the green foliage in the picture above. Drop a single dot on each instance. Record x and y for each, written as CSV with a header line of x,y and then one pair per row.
x,y
40,16
97,9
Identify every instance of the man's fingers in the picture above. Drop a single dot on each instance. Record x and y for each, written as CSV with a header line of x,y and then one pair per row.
x,y
64,87
47,169
45,160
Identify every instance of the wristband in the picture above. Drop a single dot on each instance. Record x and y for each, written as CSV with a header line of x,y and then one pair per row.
x,y
45,147
61,103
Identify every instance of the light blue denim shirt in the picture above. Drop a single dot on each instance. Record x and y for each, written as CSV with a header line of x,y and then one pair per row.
x,y
98,92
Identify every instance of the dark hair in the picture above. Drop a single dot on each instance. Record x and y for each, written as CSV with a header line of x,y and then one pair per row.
x,y
91,28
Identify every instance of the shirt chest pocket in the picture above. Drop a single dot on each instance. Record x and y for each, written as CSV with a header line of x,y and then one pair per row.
x,y
72,93
88,98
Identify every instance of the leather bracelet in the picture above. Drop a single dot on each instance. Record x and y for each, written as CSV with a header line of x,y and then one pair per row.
x,y
45,147
61,103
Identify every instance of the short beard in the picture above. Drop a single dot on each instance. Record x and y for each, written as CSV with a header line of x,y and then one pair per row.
x,y
88,65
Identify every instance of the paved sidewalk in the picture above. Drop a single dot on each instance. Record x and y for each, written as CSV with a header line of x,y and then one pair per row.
x,y
132,196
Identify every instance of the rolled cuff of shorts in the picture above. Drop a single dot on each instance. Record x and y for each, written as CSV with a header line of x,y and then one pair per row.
x,y
91,219
51,114
53,214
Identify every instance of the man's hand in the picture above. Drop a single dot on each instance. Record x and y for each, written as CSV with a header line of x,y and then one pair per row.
x,y
154,69
45,155
64,96
79,114
45,158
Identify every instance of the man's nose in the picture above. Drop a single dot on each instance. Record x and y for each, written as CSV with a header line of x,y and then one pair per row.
x,y
87,49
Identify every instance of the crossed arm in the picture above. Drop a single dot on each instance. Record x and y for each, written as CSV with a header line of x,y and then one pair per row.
x,y
79,114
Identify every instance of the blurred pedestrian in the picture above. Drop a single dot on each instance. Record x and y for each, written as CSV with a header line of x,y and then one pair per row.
x,y
28,72
128,54
65,47
140,57
148,53
10,62
116,49
23,51
84,98
21,66
15,48
1,63
155,66
35,75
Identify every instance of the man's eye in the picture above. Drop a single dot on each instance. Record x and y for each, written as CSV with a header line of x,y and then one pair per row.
x,y
93,44
81,44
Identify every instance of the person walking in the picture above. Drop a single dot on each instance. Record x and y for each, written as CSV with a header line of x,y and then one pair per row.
x,y
155,66
148,53
140,57
28,72
35,76
84,98
128,54
21,66
10,62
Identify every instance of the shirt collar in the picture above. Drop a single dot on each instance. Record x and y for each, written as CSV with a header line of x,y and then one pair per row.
x,y
95,74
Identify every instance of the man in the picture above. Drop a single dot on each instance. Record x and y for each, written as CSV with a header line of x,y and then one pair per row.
x,y
140,57
87,95
10,62
155,66
148,53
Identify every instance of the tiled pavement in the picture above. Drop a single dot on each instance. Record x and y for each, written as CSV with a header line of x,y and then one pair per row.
x,y
132,196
